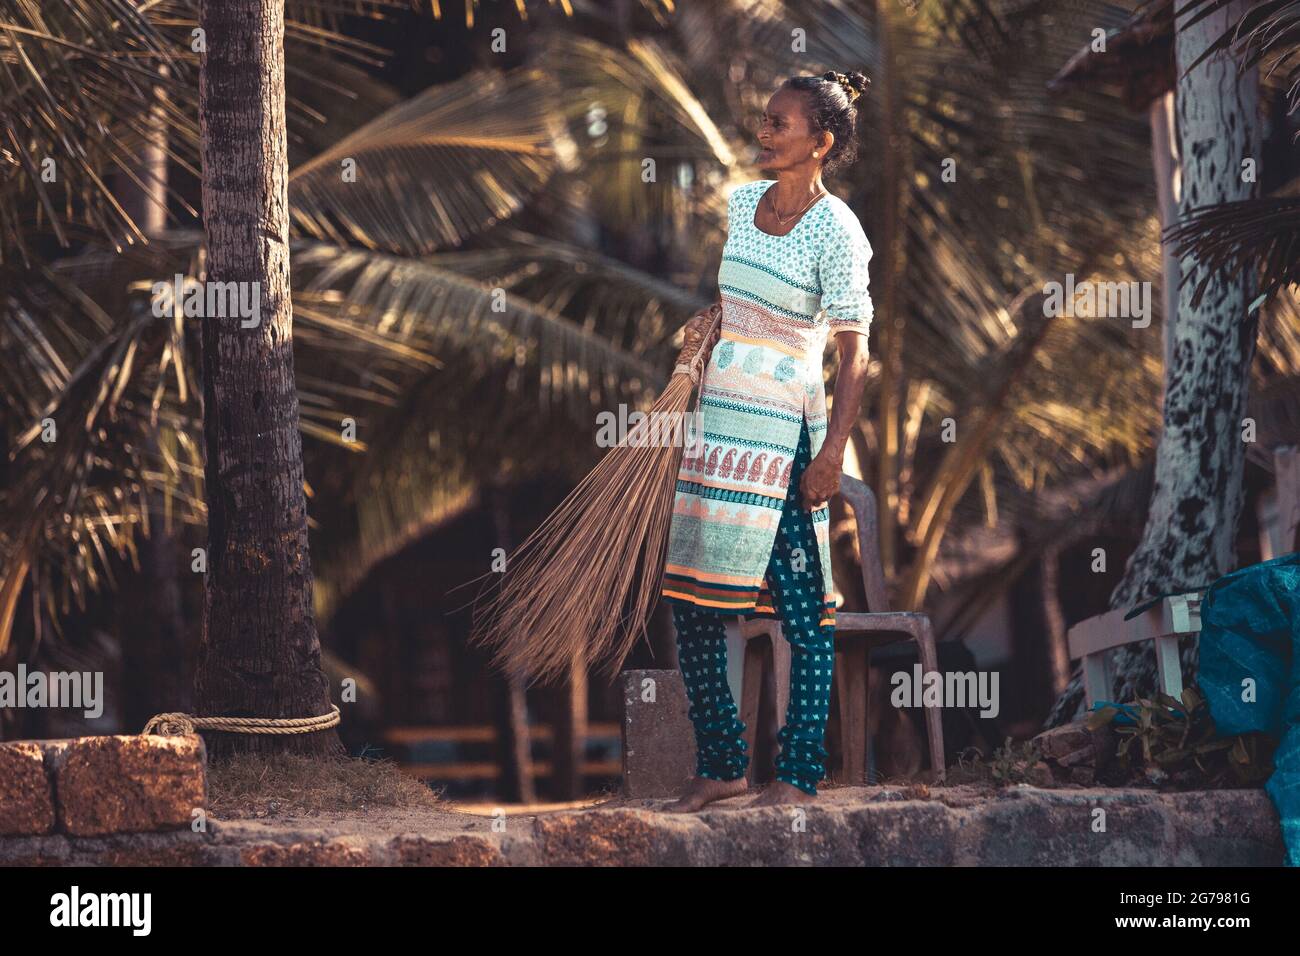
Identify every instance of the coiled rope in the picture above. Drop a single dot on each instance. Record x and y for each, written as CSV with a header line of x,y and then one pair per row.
x,y
172,724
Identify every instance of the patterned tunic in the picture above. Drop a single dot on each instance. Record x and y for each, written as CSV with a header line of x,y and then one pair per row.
x,y
781,298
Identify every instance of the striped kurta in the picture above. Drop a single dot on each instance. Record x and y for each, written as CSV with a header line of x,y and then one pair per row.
x,y
781,298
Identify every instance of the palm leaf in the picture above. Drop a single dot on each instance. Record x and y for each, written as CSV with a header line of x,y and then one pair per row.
x,y
1236,236
637,311
435,169
405,298
1267,29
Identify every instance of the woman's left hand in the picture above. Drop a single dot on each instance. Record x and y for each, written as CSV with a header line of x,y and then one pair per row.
x,y
696,332
820,479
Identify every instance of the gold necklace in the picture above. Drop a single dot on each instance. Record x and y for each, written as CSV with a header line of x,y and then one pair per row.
x,y
771,202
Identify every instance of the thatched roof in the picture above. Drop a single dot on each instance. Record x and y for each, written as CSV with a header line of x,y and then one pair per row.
x,y
1139,58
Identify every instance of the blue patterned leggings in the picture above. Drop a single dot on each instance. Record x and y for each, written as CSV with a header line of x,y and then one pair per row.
x,y
794,577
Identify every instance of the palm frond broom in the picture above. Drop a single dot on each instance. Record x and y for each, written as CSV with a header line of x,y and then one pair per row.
x,y
582,586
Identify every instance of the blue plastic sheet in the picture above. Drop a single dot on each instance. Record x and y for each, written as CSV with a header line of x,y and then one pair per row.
x,y
1127,714
1250,671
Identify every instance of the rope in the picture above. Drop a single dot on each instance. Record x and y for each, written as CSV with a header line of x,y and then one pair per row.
x,y
171,724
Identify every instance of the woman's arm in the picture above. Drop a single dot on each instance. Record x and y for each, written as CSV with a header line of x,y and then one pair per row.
x,y
821,478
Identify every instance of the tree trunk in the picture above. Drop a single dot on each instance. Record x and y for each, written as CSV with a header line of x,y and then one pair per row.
x,y
1191,526
260,655
146,201
569,741
156,649
896,181
1057,647
517,780
1164,153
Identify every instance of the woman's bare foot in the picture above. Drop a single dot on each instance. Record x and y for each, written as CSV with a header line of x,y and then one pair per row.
x,y
779,793
702,790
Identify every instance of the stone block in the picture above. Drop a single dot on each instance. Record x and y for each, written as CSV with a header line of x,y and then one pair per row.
x,y
26,797
658,739
126,783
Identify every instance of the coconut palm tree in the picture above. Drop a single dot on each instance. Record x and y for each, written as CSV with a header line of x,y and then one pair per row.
x,y
260,654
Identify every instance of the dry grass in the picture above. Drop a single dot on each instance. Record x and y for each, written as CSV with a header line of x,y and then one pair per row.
x,y
250,786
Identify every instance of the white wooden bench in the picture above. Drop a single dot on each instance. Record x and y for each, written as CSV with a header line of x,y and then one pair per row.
x,y
1163,623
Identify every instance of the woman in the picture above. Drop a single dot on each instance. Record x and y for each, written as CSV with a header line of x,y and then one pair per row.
x,y
750,532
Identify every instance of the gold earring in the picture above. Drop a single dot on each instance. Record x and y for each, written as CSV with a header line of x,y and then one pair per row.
x,y
815,153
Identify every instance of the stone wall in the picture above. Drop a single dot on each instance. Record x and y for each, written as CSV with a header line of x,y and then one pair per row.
x,y
857,826
138,801
92,786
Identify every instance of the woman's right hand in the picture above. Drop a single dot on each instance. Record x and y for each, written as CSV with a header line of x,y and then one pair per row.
x,y
696,330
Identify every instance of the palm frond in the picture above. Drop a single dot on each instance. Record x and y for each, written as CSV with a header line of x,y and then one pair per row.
x,y
327,99
413,300
1268,29
635,310
86,85
73,75
81,469
636,112
1236,236
435,169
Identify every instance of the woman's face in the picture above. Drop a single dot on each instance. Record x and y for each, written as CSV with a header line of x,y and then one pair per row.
x,y
785,136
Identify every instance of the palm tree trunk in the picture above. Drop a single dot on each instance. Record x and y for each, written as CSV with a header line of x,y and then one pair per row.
x,y
1058,650
897,187
518,780
1164,151
260,655
1192,524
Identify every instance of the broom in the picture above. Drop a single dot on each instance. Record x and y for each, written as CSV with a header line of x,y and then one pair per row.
x,y
582,586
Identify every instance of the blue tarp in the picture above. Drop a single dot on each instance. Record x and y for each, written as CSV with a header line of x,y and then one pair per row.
x,y
1127,714
1249,671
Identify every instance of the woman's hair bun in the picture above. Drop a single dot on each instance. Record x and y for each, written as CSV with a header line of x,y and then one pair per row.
x,y
853,84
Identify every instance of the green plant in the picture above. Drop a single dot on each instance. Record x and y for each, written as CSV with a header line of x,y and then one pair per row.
x,y
1010,767
1175,742
1006,766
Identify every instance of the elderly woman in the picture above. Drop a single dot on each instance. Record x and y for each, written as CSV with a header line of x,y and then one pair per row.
x,y
750,527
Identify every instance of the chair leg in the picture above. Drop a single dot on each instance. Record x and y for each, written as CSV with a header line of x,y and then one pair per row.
x,y
842,698
1168,667
1096,678
751,687
781,671
851,672
933,715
